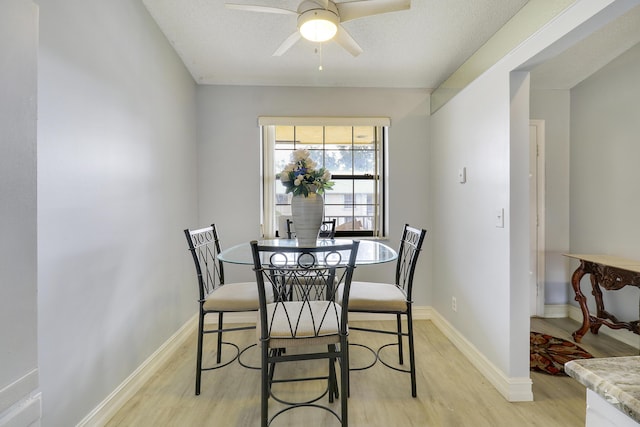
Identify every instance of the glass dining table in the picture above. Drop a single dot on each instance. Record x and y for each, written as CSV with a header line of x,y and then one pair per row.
x,y
369,251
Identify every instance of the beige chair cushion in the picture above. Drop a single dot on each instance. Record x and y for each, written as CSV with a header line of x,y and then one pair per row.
x,y
236,297
295,323
372,296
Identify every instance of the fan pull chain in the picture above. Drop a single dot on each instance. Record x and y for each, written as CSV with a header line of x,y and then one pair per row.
x,y
319,52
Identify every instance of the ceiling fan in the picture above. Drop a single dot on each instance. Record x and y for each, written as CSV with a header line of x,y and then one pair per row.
x,y
320,20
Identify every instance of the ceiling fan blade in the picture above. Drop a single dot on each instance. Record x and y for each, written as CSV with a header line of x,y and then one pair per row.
x,y
286,45
358,9
257,8
344,39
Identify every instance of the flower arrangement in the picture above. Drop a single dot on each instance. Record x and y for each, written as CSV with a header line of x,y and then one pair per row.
x,y
301,177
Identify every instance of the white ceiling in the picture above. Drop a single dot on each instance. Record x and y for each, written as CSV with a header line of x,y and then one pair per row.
x,y
589,55
415,48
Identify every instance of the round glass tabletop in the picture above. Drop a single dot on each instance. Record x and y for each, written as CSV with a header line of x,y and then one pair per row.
x,y
369,251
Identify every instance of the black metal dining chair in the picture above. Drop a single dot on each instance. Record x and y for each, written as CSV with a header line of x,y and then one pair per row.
x,y
216,296
305,321
327,229
393,298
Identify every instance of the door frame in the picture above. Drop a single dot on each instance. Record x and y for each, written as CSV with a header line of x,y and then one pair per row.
x,y
537,216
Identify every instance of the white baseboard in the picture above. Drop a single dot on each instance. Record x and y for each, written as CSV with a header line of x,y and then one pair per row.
x,y
513,389
419,313
21,402
573,312
132,384
422,313
517,389
621,335
241,317
556,311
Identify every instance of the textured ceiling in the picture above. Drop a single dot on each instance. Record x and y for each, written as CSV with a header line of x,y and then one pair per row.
x,y
589,55
415,48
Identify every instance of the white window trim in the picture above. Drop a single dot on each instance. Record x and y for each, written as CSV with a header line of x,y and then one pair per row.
x,y
323,121
267,124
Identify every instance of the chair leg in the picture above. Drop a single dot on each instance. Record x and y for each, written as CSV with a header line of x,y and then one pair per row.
x,y
264,393
399,329
346,361
199,353
344,380
412,357
219,347
333,391
272,365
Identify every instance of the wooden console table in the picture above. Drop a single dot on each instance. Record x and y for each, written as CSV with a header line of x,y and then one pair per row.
x,y
611,273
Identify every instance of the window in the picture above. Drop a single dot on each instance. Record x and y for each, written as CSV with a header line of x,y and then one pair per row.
x,y
353,150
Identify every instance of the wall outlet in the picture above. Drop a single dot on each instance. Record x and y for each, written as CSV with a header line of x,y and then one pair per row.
x,y
454,304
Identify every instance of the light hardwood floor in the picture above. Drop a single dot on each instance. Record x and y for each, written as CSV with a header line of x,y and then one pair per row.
x,y
451,392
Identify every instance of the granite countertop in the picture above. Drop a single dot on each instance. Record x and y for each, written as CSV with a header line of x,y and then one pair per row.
x,y
615,379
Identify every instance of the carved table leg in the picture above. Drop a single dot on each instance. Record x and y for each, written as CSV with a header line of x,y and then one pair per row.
x,y
582,300
600,313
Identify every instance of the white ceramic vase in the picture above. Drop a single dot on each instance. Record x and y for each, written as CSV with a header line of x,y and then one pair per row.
x,y
307,213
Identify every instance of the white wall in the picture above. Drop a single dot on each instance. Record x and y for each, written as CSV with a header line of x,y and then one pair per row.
x,y
605,124
116,187
485,267
471,262
19,397
553,106
229,156
117,162
557,107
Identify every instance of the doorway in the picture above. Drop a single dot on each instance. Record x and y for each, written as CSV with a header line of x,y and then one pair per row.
x,y
536,217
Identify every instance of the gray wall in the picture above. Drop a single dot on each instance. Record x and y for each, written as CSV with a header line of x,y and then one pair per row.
x,y
484,267
229,157
472,260
19,398
553,106
120,138
591,182
116,187
605,187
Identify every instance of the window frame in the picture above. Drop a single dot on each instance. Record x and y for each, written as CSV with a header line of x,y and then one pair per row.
x,y
268,174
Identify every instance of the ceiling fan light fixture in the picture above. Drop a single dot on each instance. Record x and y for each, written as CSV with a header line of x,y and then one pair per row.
x,y
318,25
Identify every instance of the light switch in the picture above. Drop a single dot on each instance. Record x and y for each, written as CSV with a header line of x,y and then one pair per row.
x,y
500,218
462,175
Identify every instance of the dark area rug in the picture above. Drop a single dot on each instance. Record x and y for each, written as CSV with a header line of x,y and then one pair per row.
x,y
549,353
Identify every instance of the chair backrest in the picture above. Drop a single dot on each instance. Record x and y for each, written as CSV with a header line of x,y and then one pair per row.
x,y
283,226
327,229
305,283
205,247
291,234
410,247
